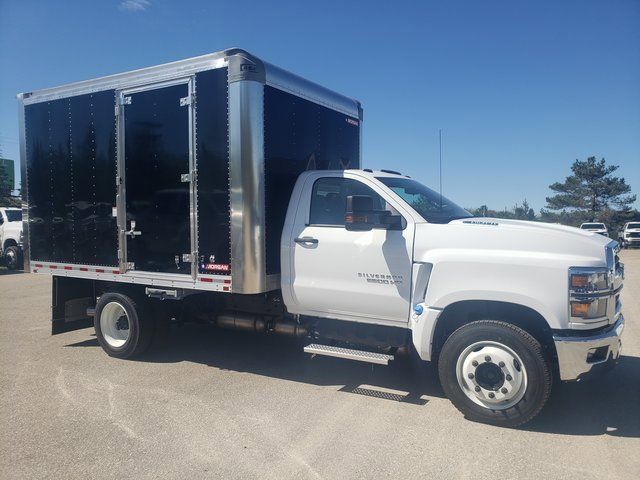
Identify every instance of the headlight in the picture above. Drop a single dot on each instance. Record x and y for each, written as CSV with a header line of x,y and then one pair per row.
x,y
589,289
583,280
594,308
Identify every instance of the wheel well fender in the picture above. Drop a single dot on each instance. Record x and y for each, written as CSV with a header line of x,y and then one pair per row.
x,y
9,242
460,313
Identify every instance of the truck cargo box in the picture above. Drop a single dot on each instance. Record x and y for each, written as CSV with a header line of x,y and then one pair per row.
x,y
176,175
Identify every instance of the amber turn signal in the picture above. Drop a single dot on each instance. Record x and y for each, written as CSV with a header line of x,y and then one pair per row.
x,y
579,281
580,309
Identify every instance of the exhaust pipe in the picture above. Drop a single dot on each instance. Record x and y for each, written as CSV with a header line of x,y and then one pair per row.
x,y
257,324
241,321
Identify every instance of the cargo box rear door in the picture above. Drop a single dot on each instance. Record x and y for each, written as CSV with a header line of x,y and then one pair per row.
x,y
156,199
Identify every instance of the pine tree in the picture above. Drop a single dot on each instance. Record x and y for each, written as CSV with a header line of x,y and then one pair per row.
x,y
591,190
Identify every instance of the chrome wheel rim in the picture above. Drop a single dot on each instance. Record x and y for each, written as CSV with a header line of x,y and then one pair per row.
x,y
114,324
491,375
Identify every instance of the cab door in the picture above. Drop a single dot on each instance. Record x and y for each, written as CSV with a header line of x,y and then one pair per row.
x,y
350,275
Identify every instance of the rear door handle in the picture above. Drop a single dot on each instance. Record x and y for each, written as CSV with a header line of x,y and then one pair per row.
x,y
311,240
133,232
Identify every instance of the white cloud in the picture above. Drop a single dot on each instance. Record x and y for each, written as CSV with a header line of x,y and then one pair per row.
x,y
135,5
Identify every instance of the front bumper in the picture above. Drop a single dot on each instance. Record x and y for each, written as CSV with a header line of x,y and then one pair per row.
x,y
580,355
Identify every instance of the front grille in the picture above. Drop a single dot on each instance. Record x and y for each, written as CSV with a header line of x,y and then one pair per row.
x,y
634,234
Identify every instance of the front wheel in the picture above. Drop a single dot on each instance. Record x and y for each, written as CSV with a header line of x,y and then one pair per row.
x,y
13,257
495,372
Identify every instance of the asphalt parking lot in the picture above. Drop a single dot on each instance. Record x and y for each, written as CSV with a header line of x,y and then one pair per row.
x,y
219,404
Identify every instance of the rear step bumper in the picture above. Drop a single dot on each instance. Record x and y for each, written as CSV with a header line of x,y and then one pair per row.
x,y
339,352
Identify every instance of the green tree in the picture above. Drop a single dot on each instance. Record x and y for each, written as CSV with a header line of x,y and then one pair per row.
x,y
524,211
5,184
6,199
591,191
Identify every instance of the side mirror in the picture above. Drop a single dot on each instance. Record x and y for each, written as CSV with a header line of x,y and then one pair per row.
x,y
391,222
359,213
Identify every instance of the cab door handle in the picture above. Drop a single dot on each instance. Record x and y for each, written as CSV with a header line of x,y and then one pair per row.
x,y
311,240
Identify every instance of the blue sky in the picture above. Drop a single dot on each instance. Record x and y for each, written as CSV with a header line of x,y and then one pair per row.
x,y
520,89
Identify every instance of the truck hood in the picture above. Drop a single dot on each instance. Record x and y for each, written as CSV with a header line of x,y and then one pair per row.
x,y
11,230
511,238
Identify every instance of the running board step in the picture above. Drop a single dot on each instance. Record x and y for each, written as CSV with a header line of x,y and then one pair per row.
x,y
359,355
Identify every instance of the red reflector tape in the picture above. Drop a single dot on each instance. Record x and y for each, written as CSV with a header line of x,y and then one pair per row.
x,y
115,271
38,265
99,270
209,280
66,267
53,266
227,281
83,269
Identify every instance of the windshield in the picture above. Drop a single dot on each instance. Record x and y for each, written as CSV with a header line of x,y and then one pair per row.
x,y
592,225
633,225
13,215
433,207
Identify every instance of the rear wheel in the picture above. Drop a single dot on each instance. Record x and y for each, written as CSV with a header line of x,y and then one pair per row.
x,y
13,257
495,372
123,326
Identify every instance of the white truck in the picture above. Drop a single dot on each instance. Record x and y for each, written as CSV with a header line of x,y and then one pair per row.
x,y
630,236
227,188
11,237
595,227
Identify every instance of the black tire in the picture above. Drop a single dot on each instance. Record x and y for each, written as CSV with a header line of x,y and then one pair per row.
x,y
13,258
538,372
140,325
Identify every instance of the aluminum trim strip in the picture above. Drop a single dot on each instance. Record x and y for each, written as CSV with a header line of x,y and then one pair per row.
x,y
24,194
246,182
140,77
282,79
216,283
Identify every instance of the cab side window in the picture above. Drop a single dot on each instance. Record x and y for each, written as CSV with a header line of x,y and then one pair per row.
x,y
329,200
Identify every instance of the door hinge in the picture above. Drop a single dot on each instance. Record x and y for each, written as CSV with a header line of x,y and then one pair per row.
x,y
122,101
188,100
188,257
185,177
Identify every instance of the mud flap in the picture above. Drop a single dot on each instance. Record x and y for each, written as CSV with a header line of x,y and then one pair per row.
x,y
70,299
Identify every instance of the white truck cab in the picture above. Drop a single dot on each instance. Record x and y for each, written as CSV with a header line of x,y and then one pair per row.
x,y
631,235
11,237
440,273
599,228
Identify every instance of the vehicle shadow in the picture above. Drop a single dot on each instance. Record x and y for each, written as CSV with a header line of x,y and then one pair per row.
x,y
6,271
283,358
607,405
